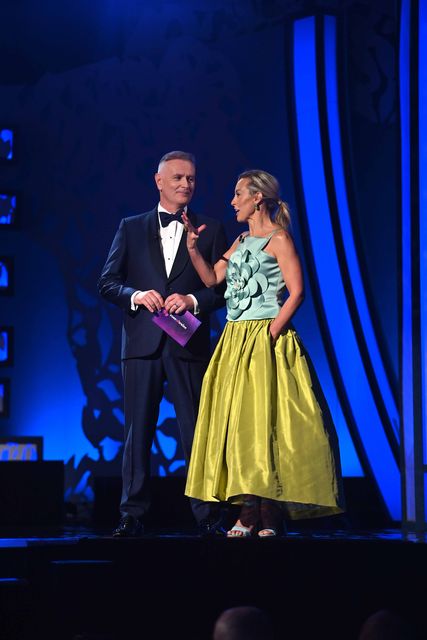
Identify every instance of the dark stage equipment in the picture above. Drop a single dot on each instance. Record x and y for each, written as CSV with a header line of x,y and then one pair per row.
x,y
32,493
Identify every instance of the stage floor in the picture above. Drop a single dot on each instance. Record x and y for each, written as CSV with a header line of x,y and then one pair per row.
x,y
22,536
59,581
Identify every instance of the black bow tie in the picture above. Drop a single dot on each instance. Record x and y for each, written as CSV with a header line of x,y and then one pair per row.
x,y
167,218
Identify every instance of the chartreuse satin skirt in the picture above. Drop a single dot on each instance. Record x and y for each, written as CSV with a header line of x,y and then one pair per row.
x,y
263,427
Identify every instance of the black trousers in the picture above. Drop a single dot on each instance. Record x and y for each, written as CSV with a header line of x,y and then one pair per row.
x,y
143,390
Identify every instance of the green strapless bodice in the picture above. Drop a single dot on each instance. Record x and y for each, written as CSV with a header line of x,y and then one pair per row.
x,y
254,281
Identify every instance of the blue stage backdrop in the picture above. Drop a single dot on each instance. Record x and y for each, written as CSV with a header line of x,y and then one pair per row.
x,y
95,93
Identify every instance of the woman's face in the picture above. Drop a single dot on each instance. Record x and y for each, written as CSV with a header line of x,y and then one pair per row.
x,y
243,201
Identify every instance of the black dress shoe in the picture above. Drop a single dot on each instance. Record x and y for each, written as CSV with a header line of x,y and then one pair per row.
x,y
210,529
129,527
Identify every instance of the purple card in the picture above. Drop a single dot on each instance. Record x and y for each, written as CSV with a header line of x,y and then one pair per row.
x,y
179,327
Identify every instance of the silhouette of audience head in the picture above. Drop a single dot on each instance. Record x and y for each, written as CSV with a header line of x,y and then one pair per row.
x,y
244,623
386,625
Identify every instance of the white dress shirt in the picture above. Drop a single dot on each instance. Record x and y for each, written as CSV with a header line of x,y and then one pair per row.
x,y
169,238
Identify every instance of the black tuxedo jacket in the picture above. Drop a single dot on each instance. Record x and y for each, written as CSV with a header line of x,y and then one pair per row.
x,y
135,262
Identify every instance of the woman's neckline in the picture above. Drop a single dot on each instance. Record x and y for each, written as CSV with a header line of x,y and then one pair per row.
x,y
266,235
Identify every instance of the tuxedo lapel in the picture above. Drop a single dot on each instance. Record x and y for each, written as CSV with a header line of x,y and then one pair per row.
x,y
181,258
154,243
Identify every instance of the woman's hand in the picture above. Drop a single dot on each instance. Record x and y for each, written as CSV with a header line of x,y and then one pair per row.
x,y
274,332
192,232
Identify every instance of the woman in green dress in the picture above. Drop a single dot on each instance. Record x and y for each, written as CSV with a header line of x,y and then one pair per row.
x,y
264,438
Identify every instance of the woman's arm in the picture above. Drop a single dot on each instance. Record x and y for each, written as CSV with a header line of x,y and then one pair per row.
x,y
283,249
209,275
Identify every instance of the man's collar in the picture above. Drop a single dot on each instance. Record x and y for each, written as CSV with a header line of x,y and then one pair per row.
x,y
161,208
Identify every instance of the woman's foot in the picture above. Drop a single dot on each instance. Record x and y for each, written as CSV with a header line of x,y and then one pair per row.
x,y
239,530
248,519
272,524
268,533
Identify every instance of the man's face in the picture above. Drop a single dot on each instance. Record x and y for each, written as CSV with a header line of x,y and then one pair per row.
x,y
176,181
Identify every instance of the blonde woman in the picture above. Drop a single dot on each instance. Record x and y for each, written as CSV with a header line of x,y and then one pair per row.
x,y
261,441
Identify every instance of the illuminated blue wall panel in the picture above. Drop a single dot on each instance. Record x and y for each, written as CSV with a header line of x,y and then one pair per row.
x,y
407,361
305,322
4,275
5,346
413,125
7,209
422,137
358,289
348,357
422,178
6,144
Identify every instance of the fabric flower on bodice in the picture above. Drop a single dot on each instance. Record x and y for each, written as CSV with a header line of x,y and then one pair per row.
x,y
245,284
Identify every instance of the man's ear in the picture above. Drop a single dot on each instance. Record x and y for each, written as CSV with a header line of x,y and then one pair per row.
x,y
158,180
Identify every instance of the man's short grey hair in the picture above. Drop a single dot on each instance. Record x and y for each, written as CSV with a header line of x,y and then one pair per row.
x,y
177,155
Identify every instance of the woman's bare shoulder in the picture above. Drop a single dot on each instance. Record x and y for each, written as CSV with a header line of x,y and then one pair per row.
x,y
282,237
282,242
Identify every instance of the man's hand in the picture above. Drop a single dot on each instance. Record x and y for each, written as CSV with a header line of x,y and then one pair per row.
x,y
151,300
176,303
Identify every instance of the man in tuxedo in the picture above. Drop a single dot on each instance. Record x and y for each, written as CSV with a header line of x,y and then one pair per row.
x,y
148,268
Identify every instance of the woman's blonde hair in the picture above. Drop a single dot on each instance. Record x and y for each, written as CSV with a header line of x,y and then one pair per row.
x,y
262,182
